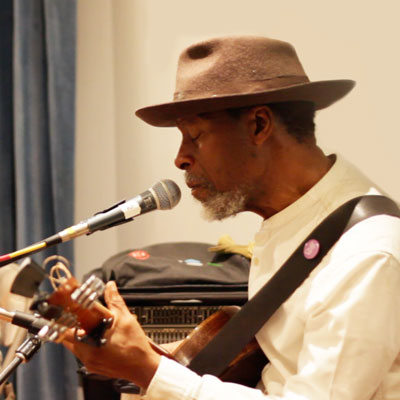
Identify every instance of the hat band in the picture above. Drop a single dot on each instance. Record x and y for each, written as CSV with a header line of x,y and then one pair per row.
x,y
238,88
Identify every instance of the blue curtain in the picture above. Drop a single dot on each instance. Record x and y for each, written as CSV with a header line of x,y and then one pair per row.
x,y
7,199
37,155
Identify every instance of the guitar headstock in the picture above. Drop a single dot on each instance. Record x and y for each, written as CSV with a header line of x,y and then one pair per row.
x,y
72,305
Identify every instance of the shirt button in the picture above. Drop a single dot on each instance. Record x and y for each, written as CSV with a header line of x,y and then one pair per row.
x,y
256,261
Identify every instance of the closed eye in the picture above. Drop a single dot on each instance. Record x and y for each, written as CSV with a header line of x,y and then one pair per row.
x,y
195,137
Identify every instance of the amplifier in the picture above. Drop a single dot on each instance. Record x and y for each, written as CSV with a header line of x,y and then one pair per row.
x,y
165,324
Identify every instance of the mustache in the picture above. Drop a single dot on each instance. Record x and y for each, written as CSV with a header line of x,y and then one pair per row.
x,y
192,179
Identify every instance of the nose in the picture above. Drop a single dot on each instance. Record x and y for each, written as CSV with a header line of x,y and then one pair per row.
x,y
184,159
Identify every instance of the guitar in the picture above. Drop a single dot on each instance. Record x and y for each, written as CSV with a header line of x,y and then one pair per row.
x,y
246,367
72,305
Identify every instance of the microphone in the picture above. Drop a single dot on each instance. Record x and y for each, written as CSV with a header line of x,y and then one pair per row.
x,y
28,321
164,195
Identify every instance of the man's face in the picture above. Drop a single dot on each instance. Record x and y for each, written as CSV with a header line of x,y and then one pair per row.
x,y
216,156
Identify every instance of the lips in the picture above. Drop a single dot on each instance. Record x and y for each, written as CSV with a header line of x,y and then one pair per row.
x,y
195,182
199,193
194,185
199,186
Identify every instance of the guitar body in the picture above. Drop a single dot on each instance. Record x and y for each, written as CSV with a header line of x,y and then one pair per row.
x,y
245,369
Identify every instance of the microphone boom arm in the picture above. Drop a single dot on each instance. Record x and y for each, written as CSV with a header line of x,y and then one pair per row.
x,y
164,195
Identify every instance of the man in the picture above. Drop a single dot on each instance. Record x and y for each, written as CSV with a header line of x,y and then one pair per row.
x,y
245,108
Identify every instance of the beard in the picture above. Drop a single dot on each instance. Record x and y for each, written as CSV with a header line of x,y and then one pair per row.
x,y
220,205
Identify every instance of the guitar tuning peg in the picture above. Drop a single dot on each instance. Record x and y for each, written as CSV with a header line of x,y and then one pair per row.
x,y
88,292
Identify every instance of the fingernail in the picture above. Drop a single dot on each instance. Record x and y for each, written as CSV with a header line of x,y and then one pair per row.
x,y
113,287
111,284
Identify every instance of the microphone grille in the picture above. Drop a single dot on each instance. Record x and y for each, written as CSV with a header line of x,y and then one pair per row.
x,y
167,193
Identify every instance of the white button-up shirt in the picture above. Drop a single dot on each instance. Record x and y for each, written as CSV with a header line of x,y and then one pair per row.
x,y
338,336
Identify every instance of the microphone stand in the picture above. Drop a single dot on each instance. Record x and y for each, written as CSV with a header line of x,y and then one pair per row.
x,y
23,354
30,346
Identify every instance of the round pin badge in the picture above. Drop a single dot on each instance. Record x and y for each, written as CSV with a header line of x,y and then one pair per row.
x,y
311,249
140,254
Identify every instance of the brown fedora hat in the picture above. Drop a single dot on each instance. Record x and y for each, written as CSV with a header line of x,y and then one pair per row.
x,y
240,71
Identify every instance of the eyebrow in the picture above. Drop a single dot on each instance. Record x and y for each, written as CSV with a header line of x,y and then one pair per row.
x,y
211,114
205,116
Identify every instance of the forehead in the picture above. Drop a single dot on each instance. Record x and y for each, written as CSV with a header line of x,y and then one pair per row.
x,y
214,117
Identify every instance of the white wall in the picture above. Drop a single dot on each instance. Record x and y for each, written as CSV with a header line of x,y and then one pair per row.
x,y
127,52
95,185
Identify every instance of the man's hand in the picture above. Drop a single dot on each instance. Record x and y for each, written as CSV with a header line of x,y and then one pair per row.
x,y
127,353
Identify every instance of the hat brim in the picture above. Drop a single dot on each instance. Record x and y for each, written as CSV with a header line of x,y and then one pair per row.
x,y
321,93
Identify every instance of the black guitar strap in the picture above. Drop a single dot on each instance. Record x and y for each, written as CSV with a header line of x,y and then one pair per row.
x,y
240,329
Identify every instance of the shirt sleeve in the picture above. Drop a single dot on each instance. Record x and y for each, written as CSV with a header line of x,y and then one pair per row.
x,y
172,381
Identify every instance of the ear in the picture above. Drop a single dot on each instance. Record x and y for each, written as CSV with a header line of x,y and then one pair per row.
x,y
261,121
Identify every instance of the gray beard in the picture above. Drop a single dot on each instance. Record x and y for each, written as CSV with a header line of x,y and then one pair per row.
x,y
221,205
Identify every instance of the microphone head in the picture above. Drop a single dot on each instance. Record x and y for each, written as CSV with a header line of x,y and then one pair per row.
x,y
167,194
